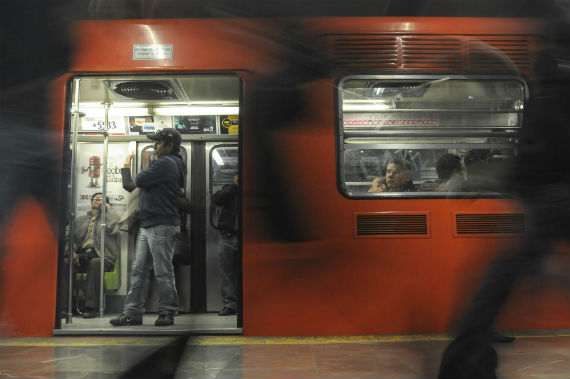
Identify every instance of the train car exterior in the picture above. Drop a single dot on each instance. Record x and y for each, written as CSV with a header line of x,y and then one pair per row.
x,y
414,89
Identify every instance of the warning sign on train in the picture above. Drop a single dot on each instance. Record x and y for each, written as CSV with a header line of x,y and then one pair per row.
x,y
230,124
153,51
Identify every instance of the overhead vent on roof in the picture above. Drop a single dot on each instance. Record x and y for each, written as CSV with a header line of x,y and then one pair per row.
x,y
391,224
488,53
430,52
147,89
366,51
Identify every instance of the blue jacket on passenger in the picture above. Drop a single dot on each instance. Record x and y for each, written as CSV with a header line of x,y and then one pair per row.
x,y
161,184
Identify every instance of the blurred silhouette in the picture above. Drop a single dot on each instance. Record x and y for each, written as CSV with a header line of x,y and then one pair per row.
x,y
281,92
161,363
540,182
450,173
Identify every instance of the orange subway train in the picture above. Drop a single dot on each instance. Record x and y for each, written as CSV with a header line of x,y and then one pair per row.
x,y
370,153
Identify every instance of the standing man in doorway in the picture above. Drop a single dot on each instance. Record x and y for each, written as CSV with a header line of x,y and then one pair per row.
x,y
160,185
226,221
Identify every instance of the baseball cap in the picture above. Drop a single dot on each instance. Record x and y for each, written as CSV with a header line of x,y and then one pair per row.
x,y
168,135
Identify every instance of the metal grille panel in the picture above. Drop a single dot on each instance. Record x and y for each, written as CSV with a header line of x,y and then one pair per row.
x,y
366,51
430,52
377,225
499,53
494,224
424,52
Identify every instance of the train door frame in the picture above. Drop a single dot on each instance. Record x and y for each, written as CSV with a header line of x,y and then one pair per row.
x,y
193,142
211,233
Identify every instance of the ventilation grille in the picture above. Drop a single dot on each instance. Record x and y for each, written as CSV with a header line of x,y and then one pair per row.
x,y
490,224
367,52
147,89
436,52
425,53
378,225
499,53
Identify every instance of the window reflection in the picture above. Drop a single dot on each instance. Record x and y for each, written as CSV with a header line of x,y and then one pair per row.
x,y
441,136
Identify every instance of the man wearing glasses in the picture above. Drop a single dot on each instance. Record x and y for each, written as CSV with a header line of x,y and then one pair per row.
x,y
160,185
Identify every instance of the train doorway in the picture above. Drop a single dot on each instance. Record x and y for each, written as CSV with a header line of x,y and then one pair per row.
x,y
110,118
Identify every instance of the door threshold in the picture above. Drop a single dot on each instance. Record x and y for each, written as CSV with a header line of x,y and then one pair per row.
x,y
206,323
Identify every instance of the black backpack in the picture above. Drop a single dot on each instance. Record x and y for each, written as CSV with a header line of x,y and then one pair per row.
x,y
223,216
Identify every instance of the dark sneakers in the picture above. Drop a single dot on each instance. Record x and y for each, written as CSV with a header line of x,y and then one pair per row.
x,y
227,312
124,320
164,320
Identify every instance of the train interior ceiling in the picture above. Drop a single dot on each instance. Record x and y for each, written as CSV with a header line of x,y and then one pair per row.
x,y
205,110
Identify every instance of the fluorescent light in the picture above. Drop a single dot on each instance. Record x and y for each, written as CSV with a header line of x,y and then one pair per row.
x,y
114,112
217,158
116,104
196,111
364,108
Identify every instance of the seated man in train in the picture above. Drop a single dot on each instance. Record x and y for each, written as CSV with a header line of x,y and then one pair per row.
x,y
450,173
398,178
87,249
486,169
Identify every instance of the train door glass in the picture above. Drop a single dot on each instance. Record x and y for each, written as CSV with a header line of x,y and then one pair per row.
x,y
223,165
427,136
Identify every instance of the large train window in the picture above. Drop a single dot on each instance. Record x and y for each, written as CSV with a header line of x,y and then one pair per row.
x,y
427,136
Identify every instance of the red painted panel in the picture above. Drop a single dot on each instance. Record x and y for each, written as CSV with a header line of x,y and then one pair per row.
x,y
334,284
29,272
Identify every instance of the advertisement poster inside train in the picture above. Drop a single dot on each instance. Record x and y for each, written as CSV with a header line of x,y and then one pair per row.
x,y
148,124
195,124
229,124
97,124
89,175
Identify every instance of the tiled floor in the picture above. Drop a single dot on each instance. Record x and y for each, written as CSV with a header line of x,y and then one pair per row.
x,y
532,355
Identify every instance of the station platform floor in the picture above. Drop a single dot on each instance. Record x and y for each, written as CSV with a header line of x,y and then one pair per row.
x,y
544,354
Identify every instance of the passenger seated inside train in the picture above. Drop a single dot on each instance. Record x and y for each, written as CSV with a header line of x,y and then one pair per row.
x,y
398,178
450,173
87,250
484,172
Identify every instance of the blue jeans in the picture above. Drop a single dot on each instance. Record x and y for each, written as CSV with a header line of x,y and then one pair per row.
x,y
227,255
154,248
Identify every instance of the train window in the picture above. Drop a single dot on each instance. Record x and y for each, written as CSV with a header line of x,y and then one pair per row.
x,y
427,136
223,166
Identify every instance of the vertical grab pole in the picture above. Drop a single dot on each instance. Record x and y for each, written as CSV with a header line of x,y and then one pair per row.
x,y
72,203
103,210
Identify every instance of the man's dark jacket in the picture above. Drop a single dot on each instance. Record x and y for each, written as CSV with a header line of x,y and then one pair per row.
x,y
161,184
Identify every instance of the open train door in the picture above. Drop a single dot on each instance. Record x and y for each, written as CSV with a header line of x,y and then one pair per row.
x,y
109,117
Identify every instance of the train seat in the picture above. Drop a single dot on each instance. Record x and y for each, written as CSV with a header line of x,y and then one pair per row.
x,y
112,279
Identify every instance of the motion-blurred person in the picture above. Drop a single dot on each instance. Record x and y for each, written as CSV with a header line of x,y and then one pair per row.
x,y
226,201
398,178
87,250
161,183
450,173
540,181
